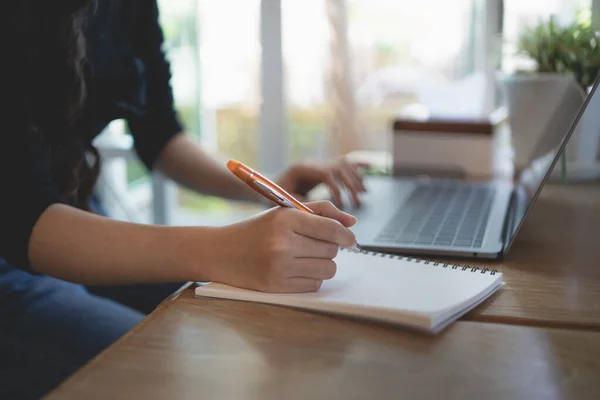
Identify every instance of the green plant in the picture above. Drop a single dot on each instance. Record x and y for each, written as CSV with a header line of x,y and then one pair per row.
x,y
570,49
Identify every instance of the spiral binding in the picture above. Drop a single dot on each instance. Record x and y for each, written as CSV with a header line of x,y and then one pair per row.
x,y
426,262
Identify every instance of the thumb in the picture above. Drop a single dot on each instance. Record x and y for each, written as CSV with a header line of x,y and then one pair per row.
x,y
328,210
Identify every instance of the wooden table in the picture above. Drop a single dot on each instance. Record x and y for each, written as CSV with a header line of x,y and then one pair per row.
x,y
539,337
213,349
552,273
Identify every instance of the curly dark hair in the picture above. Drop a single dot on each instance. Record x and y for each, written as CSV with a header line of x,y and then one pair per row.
x,y
49,47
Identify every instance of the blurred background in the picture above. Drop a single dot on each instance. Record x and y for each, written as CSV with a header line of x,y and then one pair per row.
x,y
337,72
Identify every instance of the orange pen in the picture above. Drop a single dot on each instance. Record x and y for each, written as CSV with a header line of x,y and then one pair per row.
x,y
267,188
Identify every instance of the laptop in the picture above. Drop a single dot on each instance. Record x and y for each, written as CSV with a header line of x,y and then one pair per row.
x,y
448,217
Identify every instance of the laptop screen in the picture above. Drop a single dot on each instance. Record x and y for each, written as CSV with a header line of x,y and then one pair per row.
x,y
576,114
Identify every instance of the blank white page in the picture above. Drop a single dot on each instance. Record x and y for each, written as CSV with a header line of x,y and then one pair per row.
x,y
368,284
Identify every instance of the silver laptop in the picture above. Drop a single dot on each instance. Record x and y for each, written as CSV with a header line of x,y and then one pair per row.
x,y
448,217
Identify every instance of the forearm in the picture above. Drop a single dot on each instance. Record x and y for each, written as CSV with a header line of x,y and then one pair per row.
x,y
81,247
189,165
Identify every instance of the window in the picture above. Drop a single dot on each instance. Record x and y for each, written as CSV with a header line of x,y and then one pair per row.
x,y
348,66
351,66
226,61
305,52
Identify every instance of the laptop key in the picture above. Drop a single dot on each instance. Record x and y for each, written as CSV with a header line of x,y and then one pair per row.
x,y
463,243
407,237
446,214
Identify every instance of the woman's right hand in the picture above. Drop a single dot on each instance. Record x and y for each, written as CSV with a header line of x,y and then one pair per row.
x,y
284,250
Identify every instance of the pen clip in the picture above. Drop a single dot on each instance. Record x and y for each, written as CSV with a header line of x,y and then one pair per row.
x,y
272,195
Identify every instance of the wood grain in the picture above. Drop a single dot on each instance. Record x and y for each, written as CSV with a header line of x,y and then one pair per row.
x,y
552,273
200,348
214,349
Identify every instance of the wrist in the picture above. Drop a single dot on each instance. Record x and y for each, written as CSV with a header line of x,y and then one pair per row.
x,y
203,253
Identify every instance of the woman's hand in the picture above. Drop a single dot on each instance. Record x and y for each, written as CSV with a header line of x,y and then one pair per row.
x,y
284,250
301,178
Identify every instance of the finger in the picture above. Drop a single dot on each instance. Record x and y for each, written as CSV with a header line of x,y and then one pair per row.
x,y
336,194
354,169
326,209
308,247
355,175
350,184
320,174
311,268
301,285
358,176
325,229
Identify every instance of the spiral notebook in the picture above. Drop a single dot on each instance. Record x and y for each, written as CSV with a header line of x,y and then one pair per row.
x,y
419,294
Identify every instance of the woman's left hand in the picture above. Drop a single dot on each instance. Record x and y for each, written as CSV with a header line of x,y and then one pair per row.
x,y
301,178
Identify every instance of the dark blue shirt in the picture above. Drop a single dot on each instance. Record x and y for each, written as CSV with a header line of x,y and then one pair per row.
x,y
127,77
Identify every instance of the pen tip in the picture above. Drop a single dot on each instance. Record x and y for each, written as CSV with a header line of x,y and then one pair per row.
x,y
356,248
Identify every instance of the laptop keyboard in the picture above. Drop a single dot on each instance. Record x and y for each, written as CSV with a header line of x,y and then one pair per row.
x,y
444,214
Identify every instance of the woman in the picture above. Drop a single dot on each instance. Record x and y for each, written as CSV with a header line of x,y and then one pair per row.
x,y
70,67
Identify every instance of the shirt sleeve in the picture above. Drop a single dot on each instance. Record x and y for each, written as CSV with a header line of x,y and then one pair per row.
x,y
152,131
27,189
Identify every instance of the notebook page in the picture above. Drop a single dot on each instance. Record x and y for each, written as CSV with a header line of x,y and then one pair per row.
x,y
381,283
